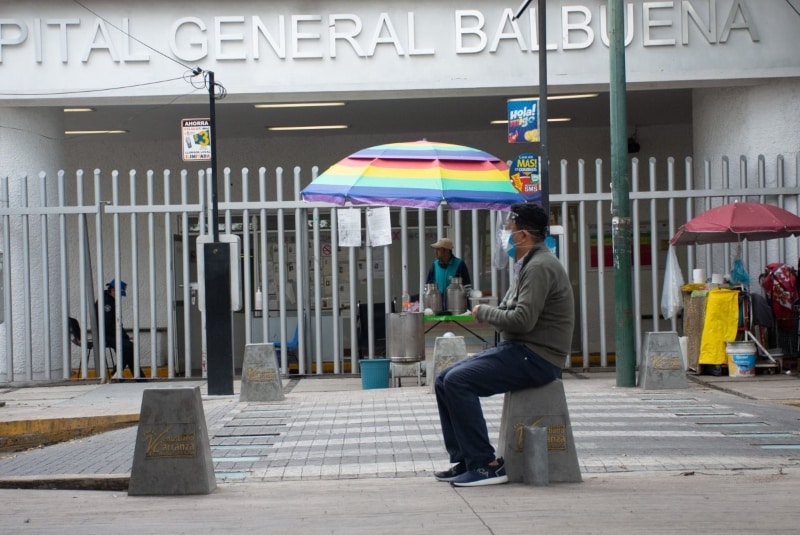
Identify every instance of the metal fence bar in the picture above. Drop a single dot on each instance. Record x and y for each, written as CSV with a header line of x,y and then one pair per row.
x,y
316,266
689,207
66,353
281,289
45,273
601,267
672,229
246,255
26,281
300,287
582,222
637,256
264,277
338,357
118,334
654,305
576,209
8,319
151,239
100,343
82,282
169,269
186,277
132,181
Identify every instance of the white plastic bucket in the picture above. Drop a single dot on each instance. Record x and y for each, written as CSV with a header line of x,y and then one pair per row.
x,y
741,359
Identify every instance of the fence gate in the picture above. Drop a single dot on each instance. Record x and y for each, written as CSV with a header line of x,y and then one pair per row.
x,y
65,237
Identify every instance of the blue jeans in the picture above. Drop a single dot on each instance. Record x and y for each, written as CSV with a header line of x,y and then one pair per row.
x,y
505,368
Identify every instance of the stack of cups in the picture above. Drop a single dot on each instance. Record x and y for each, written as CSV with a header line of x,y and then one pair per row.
x,y
699,276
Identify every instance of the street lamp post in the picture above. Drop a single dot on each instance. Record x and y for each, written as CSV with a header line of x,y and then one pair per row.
x,y
621,232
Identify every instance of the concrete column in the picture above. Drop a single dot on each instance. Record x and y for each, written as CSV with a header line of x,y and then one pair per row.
x,y
748,121
31,141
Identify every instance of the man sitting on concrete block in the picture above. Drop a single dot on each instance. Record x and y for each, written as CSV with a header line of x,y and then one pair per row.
x,y
535,318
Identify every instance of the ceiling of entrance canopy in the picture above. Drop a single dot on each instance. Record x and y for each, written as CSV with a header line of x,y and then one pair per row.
x,y
242,120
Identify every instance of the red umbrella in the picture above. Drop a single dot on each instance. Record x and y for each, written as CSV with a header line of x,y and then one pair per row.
x,y
737,221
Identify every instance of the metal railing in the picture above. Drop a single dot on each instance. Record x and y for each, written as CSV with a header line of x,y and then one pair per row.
x,y
289,251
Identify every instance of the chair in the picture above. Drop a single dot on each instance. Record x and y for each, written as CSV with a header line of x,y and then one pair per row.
x,y
75,337
291,345
379,330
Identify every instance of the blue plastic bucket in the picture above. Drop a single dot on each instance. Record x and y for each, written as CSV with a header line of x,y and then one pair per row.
x,y
741,359
374,373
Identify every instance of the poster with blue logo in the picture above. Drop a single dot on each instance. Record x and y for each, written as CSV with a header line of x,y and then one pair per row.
x,y
525,177
523,120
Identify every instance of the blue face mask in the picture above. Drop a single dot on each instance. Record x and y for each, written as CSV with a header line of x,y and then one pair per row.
x,y
509,245
511,248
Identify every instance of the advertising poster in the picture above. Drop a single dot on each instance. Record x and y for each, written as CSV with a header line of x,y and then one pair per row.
x,y
196,134
525,176
523,120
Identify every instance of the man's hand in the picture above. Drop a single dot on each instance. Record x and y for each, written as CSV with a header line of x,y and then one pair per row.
x,y
475,312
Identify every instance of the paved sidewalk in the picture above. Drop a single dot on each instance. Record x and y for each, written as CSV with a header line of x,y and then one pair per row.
x,y
333,458
660,503
329,428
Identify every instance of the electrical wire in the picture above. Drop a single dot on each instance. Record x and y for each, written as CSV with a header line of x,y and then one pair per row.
x,y
128,120
78,91
219,91
153,108
132,37
217,86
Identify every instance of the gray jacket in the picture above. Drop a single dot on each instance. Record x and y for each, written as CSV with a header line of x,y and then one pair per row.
x,y
538,309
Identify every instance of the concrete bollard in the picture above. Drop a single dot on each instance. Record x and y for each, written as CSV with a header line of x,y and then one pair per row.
x,y
662,364
447,350
172,455
261,379
540,407
536,471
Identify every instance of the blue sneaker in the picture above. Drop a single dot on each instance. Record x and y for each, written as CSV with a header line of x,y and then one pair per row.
x,y
486,475
451,473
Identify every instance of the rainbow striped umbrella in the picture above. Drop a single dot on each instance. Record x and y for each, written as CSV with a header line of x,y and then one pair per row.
x,y
420,174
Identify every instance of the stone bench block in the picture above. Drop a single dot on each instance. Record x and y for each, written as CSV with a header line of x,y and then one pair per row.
x,y
447,350
662,366
261,378
539,407
172,455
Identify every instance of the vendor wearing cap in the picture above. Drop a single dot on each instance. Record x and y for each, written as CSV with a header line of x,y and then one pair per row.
x,y
447,266
110,322
536,319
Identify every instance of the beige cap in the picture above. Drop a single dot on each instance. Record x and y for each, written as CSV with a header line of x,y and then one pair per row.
x,y
444,243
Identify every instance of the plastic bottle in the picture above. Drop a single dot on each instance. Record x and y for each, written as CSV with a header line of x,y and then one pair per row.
x,y
406,301
258,303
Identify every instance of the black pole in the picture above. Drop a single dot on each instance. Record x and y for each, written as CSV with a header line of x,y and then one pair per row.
x,y
217,265
544,171
212,121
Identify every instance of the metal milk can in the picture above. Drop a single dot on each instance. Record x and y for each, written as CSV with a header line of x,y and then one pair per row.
x,y
456,298
432,298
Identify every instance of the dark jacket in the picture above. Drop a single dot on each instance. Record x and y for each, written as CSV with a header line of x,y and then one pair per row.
x,y
110,320
538,309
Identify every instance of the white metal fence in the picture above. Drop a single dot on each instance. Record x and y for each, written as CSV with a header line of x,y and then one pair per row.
x,y
60,249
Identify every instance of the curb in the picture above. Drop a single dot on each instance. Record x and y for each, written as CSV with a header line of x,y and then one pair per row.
x,y
116,482
21,435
